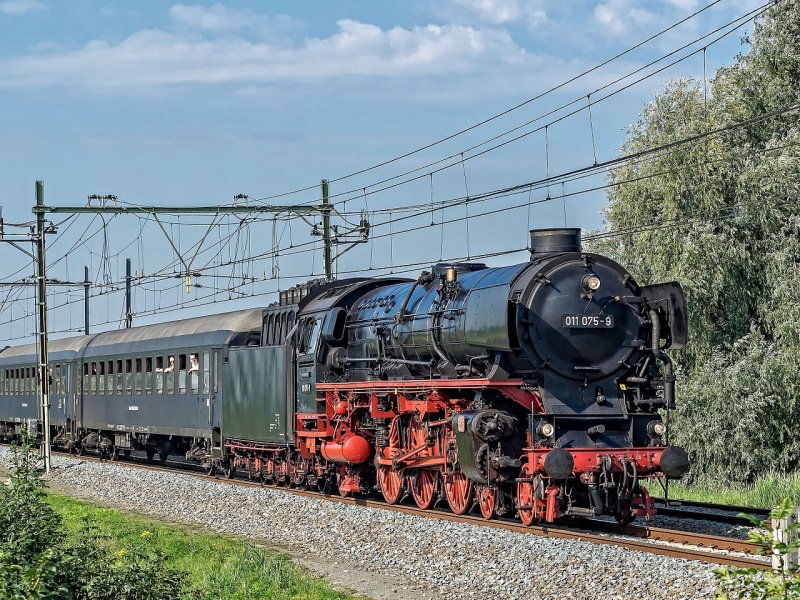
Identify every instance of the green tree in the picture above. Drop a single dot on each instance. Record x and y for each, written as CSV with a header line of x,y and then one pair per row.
x,y
36,562
721,217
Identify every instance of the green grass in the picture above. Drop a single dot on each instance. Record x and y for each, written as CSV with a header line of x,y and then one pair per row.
x,y
217,566
766,492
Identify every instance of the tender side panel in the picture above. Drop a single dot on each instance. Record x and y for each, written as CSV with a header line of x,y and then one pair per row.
x,y
256,396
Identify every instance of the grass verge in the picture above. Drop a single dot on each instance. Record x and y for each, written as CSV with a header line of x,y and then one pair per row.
x,y
217,566
766,492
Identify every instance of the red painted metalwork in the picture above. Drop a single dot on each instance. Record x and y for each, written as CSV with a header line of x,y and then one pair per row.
x,y
553,511
645,507
353,449
487,500
424,483
512,388
589,460
526,497
458,491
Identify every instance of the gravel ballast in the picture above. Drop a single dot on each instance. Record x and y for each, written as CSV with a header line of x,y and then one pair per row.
x,y
388,554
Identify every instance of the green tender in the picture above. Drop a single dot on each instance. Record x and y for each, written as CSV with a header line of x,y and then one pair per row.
x,y
256,403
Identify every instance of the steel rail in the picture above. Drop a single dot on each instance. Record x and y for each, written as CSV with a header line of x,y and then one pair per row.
x,y
686,545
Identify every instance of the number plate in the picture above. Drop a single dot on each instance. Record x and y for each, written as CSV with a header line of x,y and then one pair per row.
x,y
587,321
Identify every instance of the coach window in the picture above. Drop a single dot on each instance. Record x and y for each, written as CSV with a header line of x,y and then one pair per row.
x,y
169,375
101,381
110,381
181,374
137,378
148,374
206,365
93,378
128,376
119,377
194,372
159,375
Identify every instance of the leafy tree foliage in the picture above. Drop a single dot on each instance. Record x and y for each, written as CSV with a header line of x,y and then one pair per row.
x,y
780,583
37,563
721,216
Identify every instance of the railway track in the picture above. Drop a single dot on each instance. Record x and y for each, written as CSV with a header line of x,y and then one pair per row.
x,y
707,511
705,548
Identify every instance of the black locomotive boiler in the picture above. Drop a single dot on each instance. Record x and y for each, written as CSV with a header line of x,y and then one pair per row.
x,y
533,389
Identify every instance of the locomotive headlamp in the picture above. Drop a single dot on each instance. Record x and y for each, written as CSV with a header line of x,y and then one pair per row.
x,y
656,428
545,429
591,283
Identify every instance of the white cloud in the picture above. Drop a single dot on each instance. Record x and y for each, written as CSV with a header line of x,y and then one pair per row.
x,y
157,57
499,12
21,7
619,16
220,19
683,4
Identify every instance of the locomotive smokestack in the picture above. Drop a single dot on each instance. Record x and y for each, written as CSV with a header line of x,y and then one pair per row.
x,y
559,239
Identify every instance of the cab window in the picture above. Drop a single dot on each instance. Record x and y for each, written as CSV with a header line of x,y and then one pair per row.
x,y
310,336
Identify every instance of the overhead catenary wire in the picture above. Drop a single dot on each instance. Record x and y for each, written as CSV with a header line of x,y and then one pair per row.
x,y
506,111
243,264
453,159
235,289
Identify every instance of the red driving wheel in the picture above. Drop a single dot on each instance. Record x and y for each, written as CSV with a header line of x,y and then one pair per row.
x,y
423,487
390,480
458,491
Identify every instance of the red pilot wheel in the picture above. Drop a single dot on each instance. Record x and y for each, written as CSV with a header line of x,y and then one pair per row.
x,y
487,500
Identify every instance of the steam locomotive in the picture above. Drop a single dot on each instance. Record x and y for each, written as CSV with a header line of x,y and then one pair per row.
x,y
533,390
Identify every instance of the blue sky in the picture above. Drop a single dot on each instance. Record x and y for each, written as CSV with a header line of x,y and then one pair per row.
x,y
163,103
